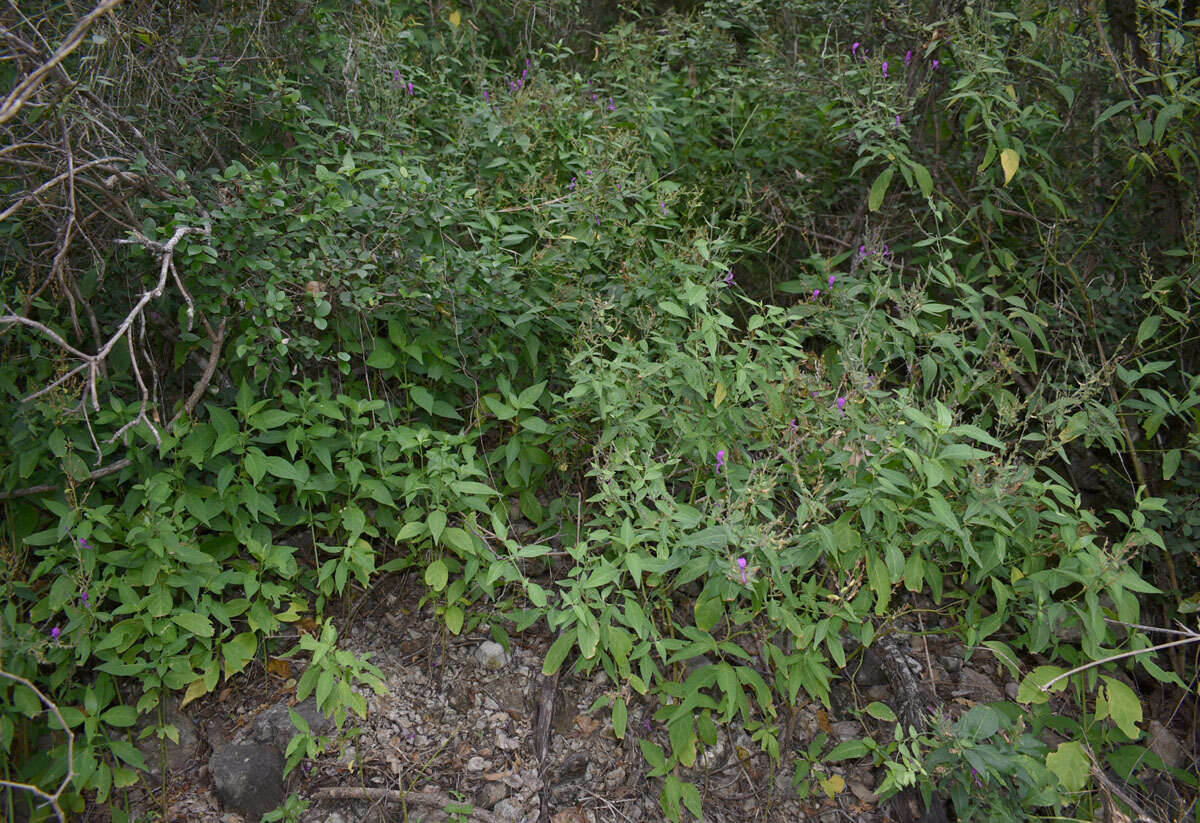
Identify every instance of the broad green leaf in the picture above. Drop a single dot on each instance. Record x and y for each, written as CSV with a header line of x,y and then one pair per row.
x,y
436,523
1148,328
197,624
879,188
1123,707
459,540
708,612
558,651
454,616
620,717
881,711
436,575
924,180
1171,463
1070,765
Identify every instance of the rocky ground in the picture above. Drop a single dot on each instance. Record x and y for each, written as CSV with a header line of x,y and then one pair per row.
x,y
460,737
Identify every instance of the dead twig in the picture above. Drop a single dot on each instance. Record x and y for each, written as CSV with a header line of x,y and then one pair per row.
x,y
17,97
429,800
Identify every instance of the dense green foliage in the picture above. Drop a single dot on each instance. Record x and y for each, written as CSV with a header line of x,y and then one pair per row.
x,y
721,331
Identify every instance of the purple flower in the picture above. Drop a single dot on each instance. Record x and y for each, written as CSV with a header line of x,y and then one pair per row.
x,y
83,544
574,182
84,597
487,98
720,459
975,774
396,77
935,65
55,632
908,59
841,404
742,565
897,121
662,204
885,68
611,107
832,279
816,293
862,251
410,87
795,426
854,49
597,221
729,277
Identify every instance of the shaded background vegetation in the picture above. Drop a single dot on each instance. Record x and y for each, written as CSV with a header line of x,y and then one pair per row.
x,y
768,317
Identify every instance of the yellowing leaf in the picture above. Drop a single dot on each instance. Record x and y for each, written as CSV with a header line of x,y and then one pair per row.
x,y
197,689
455,19
1010,160
834,785
719,396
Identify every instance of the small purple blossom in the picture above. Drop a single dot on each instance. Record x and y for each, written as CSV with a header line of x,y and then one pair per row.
x,y
662,204
816,293
396,78
487,98
83,544
410,88
611,107
908,59
936,64
741,561
885,70
55,632
574,183
795,426
841,404
975,774
832,280
862,251
897,121
854,49
729,277
84,598
720,459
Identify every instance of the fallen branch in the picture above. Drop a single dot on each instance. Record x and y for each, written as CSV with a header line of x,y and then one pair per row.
x,y
429,800
51,799
17,97
210,368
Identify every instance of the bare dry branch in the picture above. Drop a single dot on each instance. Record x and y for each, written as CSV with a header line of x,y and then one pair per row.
x,y
17,97
52,799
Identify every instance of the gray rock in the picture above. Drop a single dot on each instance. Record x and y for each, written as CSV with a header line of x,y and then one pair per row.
x,y
476,764
508,809
491,656
1012,689
178,755
847,729
491,794
1165,745
978,686
862,791
274,726
247,778
952,663
870,673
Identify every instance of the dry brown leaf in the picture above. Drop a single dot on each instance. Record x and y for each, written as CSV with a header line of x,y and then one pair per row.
x,y
823,721
279,667
571,815
586,724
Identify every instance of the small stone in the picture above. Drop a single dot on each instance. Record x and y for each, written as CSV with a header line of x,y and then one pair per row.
x,y
862,791
476,764
1012,689
491,656
847,730
491,794
508,810
614,778
952,663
